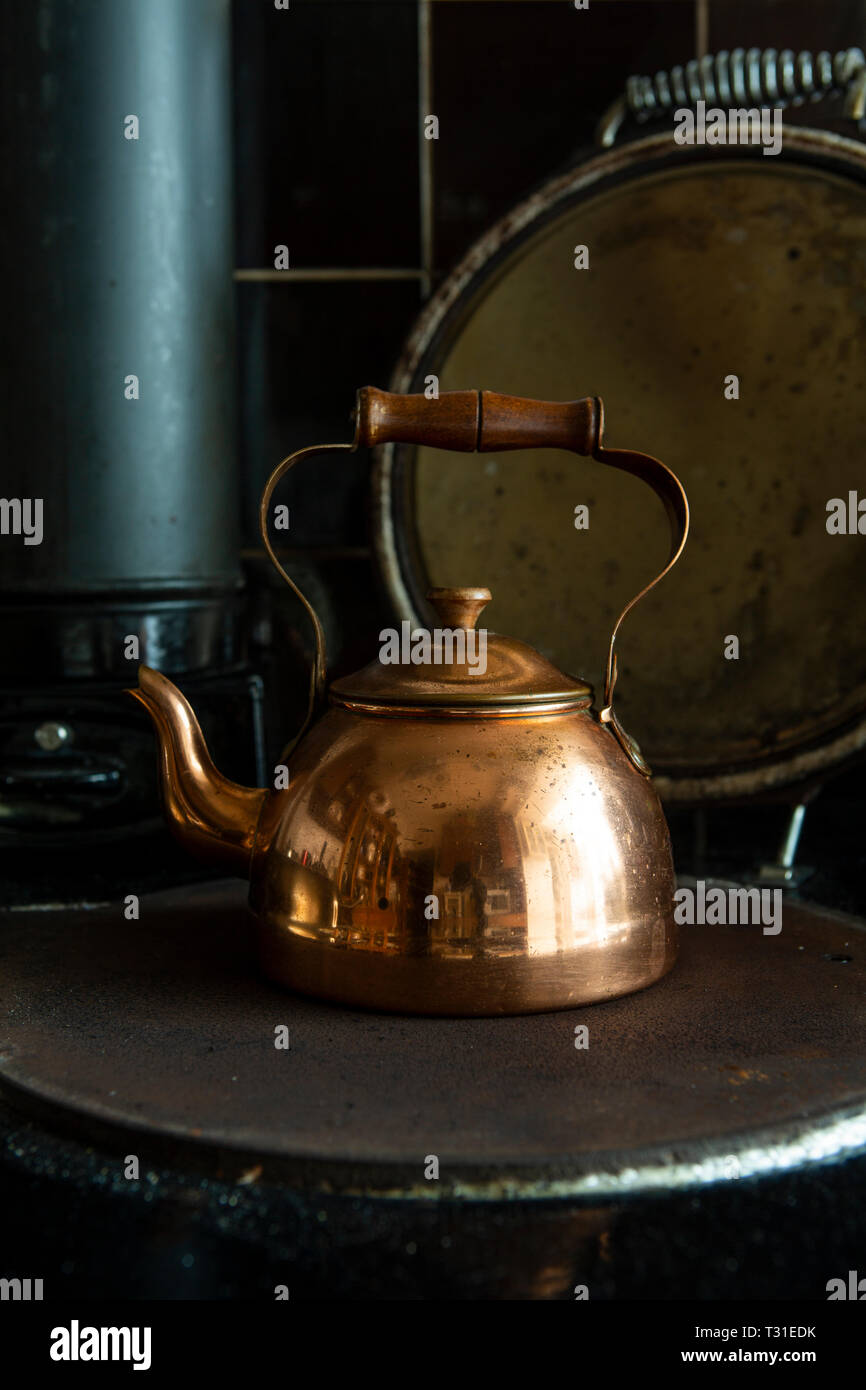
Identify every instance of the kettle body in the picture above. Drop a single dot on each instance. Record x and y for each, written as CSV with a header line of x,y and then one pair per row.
x,y
474,865
456,835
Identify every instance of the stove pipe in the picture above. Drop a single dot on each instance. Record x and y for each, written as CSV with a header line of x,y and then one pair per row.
x,y
118,389
119,492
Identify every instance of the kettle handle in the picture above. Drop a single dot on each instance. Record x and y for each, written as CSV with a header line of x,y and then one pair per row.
x,y
470,421
484,421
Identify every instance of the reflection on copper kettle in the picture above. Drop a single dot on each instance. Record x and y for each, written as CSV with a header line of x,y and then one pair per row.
x,y
452,840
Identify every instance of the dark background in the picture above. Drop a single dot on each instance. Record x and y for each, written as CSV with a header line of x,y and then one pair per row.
x,y
327,115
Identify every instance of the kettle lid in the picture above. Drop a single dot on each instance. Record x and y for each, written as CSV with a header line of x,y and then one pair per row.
x,y
457,665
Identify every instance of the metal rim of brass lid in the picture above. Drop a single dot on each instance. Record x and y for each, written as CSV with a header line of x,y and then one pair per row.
x,y
521,680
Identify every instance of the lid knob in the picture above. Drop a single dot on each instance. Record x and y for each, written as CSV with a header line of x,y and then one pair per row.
x,y
459,607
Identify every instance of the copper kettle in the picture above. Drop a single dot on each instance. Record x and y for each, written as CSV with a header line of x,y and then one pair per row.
x,y
458,835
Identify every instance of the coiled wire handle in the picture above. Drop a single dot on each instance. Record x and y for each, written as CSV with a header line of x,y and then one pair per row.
x,y
762,77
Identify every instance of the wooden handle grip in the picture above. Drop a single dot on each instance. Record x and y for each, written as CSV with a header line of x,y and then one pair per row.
x,y
450,421
465,421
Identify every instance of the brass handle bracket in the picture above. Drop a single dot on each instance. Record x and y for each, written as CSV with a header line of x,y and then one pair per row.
x,y
318,671
670,491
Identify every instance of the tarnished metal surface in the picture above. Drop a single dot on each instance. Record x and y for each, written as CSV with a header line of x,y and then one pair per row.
x,y
747,1059
701,265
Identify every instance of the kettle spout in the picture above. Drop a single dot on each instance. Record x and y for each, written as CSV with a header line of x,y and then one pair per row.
x,y
212,817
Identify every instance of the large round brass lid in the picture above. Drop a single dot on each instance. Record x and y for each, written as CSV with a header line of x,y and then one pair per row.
x,y
457,664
